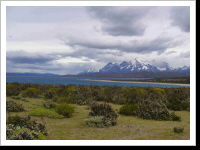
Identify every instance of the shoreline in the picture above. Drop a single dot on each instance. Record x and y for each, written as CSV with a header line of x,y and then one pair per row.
x,y
136,82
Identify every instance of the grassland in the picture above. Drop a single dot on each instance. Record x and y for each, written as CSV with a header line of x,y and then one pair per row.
x,y
127,128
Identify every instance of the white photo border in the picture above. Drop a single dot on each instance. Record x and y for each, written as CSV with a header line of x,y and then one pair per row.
x,y
192,140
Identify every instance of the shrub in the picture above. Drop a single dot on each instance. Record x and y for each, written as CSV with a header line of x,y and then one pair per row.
x,y
18,133
17,120
49,104
22,128
155,110
44,112
50,93
174,117
102,115
100,109
12,90
178,129
179,105
12,106
65,110
129,109
31,92
95,121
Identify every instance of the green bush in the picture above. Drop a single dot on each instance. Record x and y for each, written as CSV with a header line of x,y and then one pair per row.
x,y
18,133
31,93
65,110
129,109
49,104
178,105
95,121
50,93
12,106
44,112
102,115
12,89
23,128
155,110
178,129
17,120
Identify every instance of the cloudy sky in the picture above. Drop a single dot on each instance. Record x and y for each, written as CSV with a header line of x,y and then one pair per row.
x,y
70,39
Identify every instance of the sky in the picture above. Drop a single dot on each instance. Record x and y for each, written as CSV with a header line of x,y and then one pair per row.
x,y
71,39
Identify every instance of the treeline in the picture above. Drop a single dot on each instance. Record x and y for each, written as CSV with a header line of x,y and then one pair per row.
x,y
172,98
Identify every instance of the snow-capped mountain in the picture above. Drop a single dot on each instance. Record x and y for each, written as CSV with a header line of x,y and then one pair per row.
x,y
182,69
129,67
137,66
90,70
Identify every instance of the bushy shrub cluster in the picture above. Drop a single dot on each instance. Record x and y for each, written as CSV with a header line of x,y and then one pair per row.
x,y
12,106
31,92
101,115
23,128
179,105
18,133
174,98
65,110
155,110
129,109
13,89
49,104
148,109
50,93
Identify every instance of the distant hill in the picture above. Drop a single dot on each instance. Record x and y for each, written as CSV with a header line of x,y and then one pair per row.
x,y
31,74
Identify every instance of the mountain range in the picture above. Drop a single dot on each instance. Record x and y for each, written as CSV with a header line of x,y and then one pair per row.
x,y
136,66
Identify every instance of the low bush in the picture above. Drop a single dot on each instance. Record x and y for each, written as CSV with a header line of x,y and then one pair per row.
x,y
178,105
17,133
49,104
102,115
44,112
129,109
12,89
31,93
95,121
23,128
65,110
155,110
50,93
178,129
12,106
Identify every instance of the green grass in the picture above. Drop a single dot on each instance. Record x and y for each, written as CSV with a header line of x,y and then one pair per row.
x,y
44,112
127,128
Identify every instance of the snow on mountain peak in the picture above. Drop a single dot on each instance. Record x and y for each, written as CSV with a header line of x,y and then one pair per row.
x,y
137,65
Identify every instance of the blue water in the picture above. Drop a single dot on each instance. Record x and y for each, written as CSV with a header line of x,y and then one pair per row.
x,y
81,81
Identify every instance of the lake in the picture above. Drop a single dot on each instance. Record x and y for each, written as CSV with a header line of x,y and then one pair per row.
x,y
84,81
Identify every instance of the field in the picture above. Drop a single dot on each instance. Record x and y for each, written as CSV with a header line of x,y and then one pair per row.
x,y
127,127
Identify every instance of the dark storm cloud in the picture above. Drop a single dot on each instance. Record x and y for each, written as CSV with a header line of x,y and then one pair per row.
x,y
120,21
159,44
180,17
22,57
